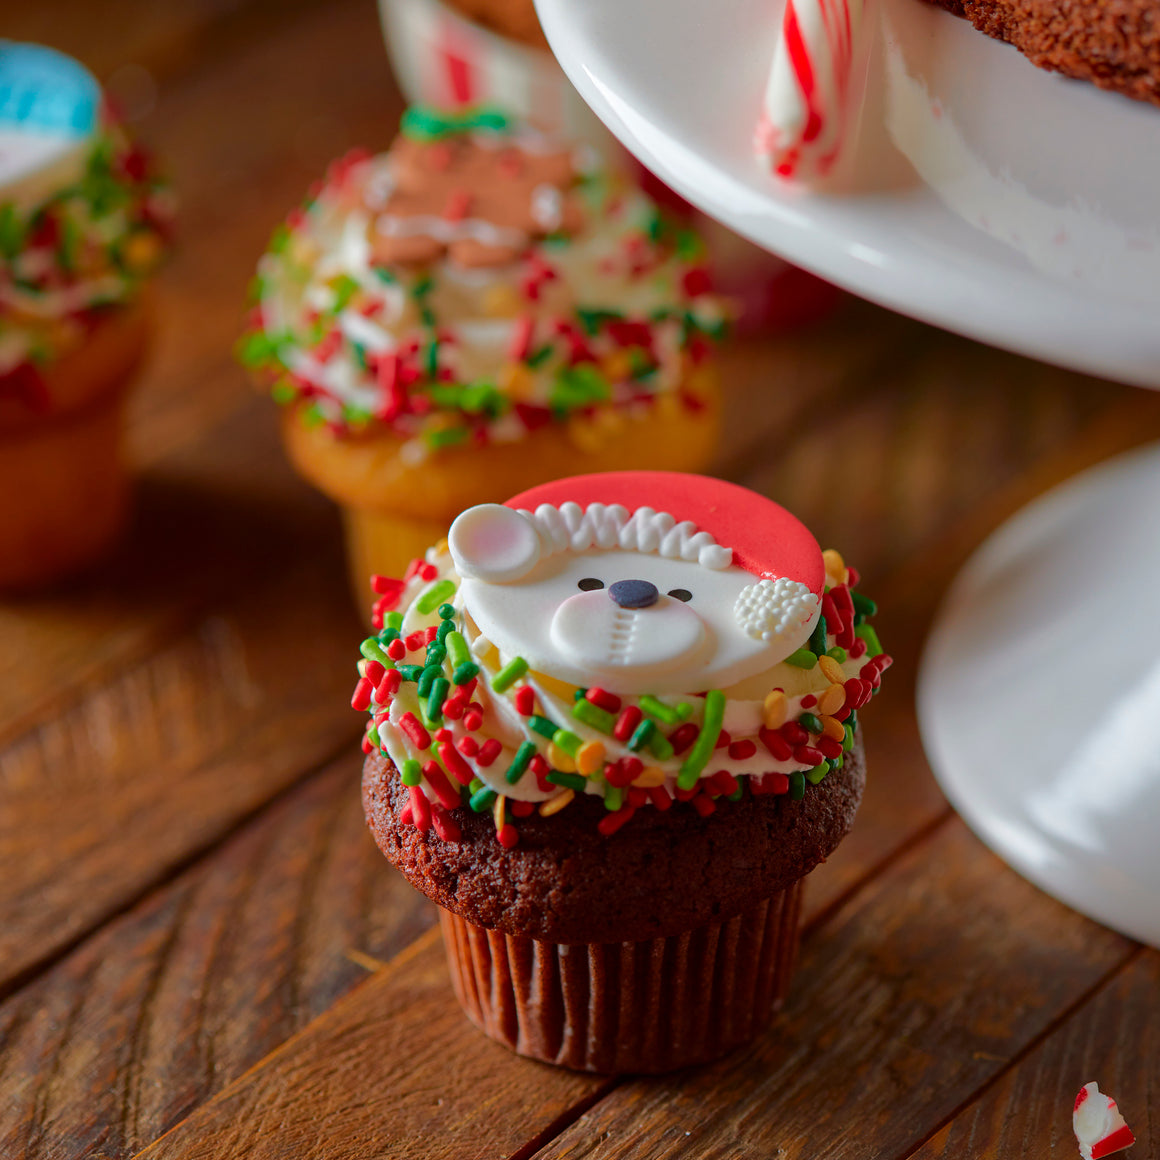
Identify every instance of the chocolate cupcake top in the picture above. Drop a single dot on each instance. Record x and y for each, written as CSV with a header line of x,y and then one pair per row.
x,y
83,216
637,639
478,280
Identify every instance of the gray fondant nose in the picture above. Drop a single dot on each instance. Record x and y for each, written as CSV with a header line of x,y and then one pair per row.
x,y
633,593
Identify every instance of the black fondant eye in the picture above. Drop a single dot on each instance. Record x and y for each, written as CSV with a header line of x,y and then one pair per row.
x,y
589,584
681,594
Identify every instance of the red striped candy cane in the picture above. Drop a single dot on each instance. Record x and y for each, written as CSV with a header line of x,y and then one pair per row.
x,y
806,110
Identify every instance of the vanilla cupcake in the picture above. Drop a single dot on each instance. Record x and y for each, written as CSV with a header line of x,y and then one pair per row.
x,y
477,310
82,223
614,724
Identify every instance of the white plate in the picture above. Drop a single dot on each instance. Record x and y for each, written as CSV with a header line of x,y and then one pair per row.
x,y
1033,225
1039,694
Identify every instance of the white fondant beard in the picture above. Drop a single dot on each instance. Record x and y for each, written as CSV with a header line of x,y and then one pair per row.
x,y
585,638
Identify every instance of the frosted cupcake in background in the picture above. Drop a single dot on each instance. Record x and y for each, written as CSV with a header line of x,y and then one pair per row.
x,y
83,221
479,309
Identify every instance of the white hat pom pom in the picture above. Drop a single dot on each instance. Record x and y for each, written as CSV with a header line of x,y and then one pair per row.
x,y
774,609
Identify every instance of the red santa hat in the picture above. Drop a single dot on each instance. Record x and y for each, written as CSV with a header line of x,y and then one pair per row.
x,y
691,516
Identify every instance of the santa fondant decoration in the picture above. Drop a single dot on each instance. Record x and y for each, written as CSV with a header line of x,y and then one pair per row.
x,y
641,581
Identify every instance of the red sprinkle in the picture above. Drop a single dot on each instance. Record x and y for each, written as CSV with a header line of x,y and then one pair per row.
x,y
445,825
456,766
809,701
413,728
521,341
406,818
448,796
415,641
697,281
857,649
361,698
508,835
794,733
367,744
522,809
742,750
610,823
420,808
630,717
808,755
453,707
488,752
704,805
525,700
472,720
388,686
828,747
443,734
396,650
683,736
540,770
777,745
724,782
770,783
373,671
468,746
602,699
637,797
458,203
384,584
661,798
687,795
412,569
724,740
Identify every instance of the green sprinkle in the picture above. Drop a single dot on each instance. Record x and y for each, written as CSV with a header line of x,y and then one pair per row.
x,y
802,659
427,679
601,719
813,776
424,123
373,734
457,648
665,714
412,772
430,598
848,740
370,649
509,674
542,725
567,741
818,637
474,786
436,655
737,794
464,672
864,604
837,653
836,763
538,357
394,621
579,694
439,689
873,648
410,672
797,786
660,746
641,735
388,635
567,780
446,438
592,320
613,797
482,800
702,750
810,722
852,722
445,628
446,611
519,764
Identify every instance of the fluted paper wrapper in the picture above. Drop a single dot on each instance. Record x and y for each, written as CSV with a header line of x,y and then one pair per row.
x,y
628,1007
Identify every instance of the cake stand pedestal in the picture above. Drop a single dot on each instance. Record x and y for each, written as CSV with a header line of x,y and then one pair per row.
x,y
1021,213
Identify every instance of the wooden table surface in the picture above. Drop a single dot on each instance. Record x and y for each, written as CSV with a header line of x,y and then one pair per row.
x,y
202,954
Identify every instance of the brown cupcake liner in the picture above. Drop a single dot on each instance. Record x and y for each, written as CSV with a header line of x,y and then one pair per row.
x,y
633,1006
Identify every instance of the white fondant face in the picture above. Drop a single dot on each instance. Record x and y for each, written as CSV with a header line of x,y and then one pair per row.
x,y
562,624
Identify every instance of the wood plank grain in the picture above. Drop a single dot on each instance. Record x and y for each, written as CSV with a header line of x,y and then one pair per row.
x,y
921,989
151,1016
1113,1039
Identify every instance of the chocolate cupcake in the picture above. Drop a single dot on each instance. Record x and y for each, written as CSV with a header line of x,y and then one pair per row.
x,y
614,725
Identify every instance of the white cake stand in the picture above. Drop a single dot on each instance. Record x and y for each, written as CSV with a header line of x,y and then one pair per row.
x,y
1018,208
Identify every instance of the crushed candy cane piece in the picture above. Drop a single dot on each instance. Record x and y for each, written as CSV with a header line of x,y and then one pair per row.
x,y
1099,1128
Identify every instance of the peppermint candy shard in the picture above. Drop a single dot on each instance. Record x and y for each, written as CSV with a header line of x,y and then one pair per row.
x,y
1099,1127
